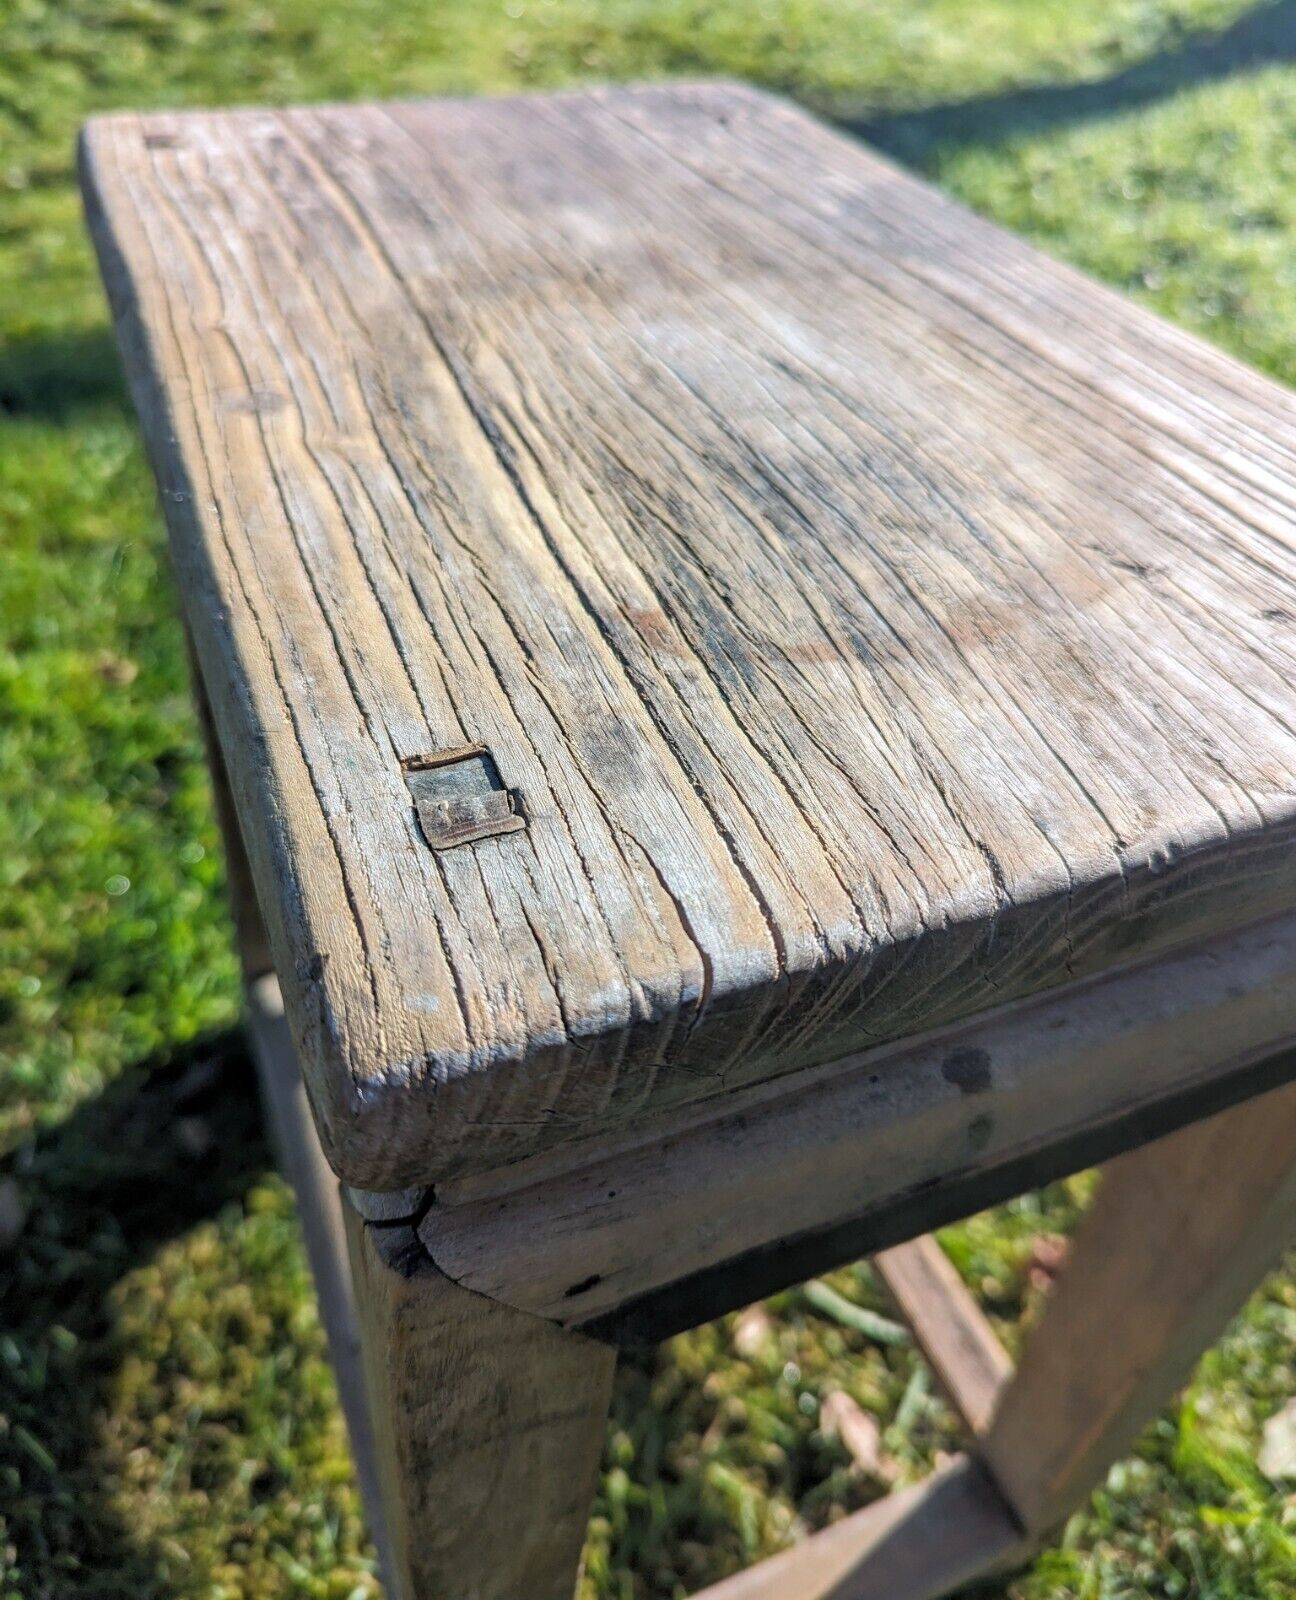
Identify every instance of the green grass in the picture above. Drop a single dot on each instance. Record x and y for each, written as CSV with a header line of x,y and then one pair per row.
x,y
168,1425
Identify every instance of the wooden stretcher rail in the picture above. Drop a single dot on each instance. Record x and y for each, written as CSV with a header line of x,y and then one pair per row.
x,y
961,1347
859,1158
916,1544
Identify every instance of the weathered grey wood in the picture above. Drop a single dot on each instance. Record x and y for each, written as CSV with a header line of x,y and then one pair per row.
x,y
917,1544
576,1241
250,936
319,1207
393,1205
489,1427
1178,1235
961,1347
874,621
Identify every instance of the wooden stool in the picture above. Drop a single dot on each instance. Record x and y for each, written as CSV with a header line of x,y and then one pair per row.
x,y
756,712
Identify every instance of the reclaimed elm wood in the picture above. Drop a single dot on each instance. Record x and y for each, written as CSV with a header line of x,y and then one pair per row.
x,y
871,621
758,706
874,1150
951,1330
489,1426
1178,1236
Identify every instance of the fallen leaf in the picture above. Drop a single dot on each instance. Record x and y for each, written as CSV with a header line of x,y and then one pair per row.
x,y
839,1414
1048,1252
752,1331
1277,1458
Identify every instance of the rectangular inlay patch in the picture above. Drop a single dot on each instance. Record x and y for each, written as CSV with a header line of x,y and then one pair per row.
x,y
459,796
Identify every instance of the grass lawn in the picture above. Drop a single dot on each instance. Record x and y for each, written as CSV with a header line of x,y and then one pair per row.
x,y
168,1423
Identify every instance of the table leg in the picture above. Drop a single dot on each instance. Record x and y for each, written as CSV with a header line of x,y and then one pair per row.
x,y
319,1209
1179,1234
950,1329
476,1428
489,1424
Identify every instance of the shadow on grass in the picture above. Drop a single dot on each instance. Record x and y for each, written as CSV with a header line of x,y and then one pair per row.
x,y
162,1149
1265,34
47,377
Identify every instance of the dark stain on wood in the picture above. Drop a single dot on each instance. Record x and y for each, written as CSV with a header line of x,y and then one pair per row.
x,y
967,1070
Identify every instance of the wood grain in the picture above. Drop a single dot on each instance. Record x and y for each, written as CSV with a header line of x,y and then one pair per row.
x,y
576,1241
488,1425
876,621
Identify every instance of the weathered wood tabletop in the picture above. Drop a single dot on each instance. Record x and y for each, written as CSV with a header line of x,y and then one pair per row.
x,y
681,601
